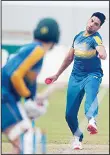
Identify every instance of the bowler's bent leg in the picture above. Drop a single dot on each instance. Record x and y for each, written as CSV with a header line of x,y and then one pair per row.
x,y
74,98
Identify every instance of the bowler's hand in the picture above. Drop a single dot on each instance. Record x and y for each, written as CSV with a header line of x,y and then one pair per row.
x,y
101,52
53,78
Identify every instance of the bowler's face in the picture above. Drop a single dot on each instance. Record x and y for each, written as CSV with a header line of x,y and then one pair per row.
x,y
93,25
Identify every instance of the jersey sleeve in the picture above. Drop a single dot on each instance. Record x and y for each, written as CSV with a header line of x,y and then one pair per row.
x,y
97,41
76,37
17,77
74,40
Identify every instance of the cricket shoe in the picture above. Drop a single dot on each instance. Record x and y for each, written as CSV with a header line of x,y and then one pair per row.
x,y
77,145
92,127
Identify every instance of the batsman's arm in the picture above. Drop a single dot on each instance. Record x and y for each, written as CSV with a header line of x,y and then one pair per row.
x,y
18,75
67,61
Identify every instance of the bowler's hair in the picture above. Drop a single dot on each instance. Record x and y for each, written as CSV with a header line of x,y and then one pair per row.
x,y
101,16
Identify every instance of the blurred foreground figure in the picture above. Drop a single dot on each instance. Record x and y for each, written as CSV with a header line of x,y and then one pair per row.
x,y
19,80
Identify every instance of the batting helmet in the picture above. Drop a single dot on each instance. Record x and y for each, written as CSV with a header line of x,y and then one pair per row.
x,y
47,30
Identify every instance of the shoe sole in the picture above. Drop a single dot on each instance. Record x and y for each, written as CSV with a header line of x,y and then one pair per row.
x,y
92,130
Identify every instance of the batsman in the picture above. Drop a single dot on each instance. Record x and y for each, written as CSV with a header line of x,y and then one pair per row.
x,y
19,77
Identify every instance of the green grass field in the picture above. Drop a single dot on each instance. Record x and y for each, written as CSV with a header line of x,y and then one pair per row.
x,y
56,127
